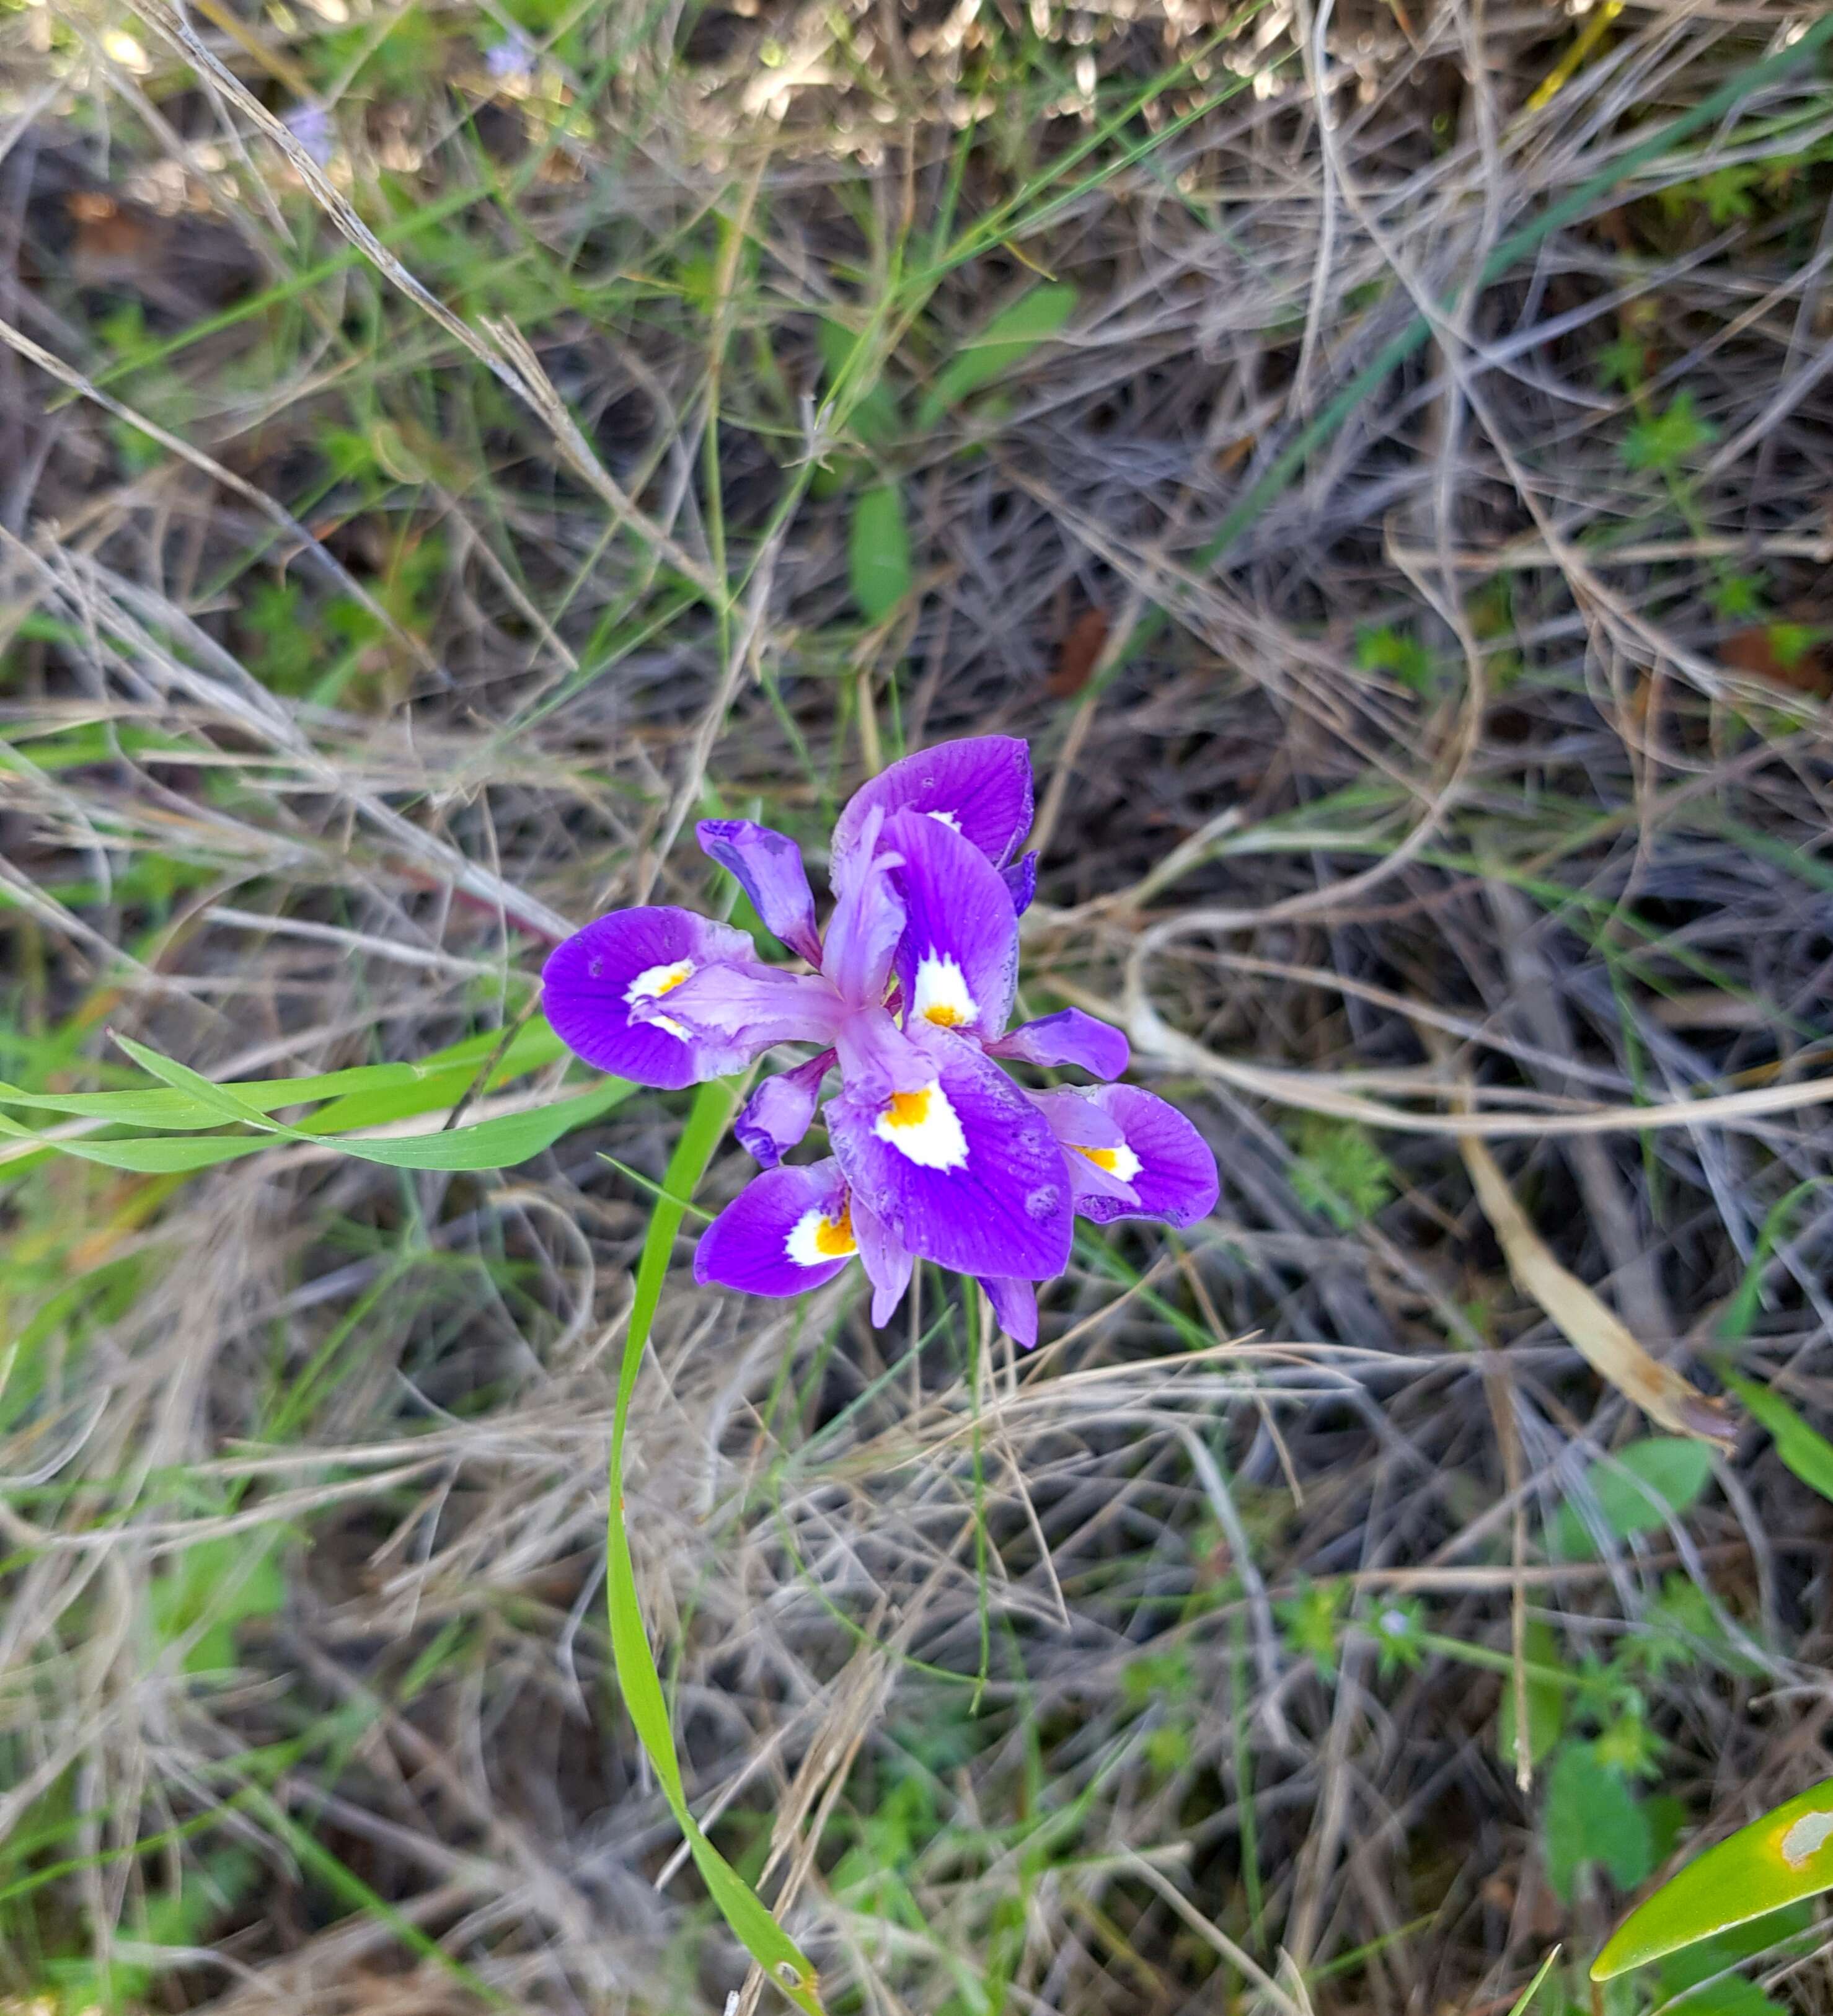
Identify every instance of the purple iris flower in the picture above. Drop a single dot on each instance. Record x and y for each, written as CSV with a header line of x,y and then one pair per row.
x,y
936,1153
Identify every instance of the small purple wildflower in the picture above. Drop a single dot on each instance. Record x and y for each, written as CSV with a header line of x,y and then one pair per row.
x,y
513,57
938,1154
310,125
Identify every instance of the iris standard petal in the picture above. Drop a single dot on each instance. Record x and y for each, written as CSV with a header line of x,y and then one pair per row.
x,y
750,1007
1167,1162
980,786
769,867
964,1171
1068,1037
786,1231
594,980
867,919
1020,879
957,961
888,1264
781,1111
1015,1303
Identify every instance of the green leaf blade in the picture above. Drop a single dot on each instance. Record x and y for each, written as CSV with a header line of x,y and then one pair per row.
x,y
1776,1861
638,1679
1007,341
878,553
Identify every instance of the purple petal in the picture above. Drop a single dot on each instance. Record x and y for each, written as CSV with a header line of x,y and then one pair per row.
x,y
780,1112
592,982
1015,1303
769,867
868,920
980,786
958,958
888,1264
1068,1037
1161,1156
964,1172
747,1007
786,1231
1020,879
876,1058
1075,1120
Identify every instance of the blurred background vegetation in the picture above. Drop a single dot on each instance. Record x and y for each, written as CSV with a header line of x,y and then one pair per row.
x,y
1381,454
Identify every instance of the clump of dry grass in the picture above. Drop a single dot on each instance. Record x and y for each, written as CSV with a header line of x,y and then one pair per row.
x,y
385,583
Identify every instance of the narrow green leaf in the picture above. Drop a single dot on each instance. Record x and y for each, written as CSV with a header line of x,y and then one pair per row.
x,y
743,1909
1007,340
155,1155
499,1143
1637,1489
1776,1861
1739,1316
164,1107
1533,1987
878,553
1805,1450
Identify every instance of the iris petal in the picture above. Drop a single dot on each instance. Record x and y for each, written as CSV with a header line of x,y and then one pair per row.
x,y
980,786
867,919
967,1173
769,867
781,1111
748,1007
1068,1037
888,1264
1171,1171
599,984
1015,1303
957,961
786,1231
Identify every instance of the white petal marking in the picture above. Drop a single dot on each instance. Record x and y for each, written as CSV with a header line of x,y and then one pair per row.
x,y
655,981
949,819
923,1129
1119,1161
817,1240
939,993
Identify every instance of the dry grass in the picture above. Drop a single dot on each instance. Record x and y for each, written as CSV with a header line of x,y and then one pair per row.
x,y
394,553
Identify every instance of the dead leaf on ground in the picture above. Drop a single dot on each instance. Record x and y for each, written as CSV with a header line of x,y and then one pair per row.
x,y
1601,1336
1779,653
1078,654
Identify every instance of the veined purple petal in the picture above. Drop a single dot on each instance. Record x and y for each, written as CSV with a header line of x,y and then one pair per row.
x,y
594,980
868,919
1068,1037
1097,1148
888,1266
780,1112
748,1008
786,1231
980,786
877,1059
1015,1303
1020,879
964,1172
957,961
769,867
1075,1120
1161,1155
